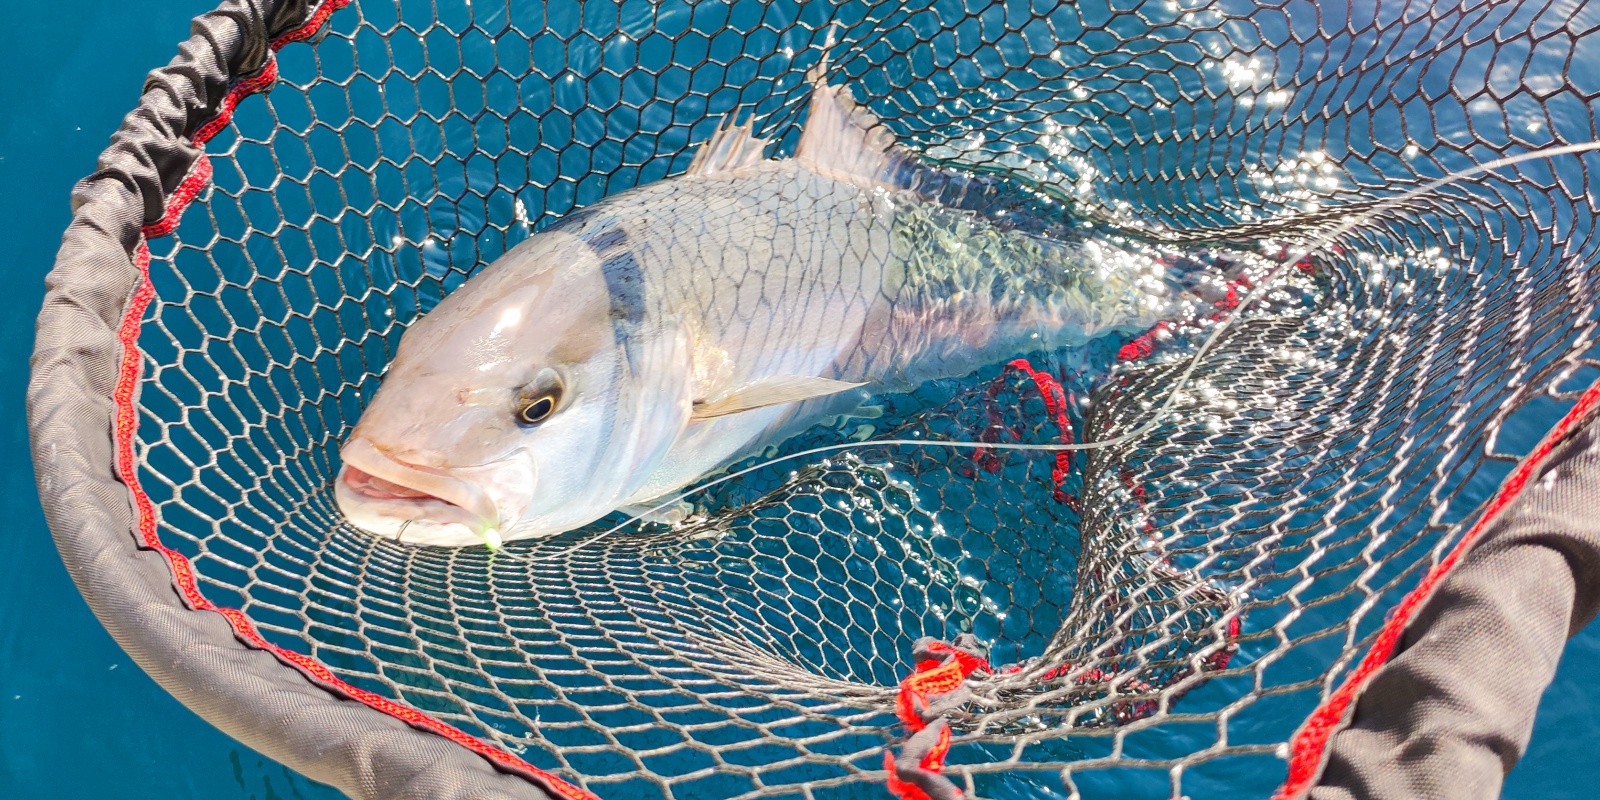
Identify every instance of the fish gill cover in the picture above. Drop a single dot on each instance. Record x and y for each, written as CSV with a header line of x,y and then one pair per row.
x,y
1150,618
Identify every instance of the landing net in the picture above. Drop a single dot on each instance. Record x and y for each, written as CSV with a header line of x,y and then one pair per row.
x,y
1154,618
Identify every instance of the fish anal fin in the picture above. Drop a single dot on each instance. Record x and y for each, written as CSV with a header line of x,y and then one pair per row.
x,y
732,146
766,392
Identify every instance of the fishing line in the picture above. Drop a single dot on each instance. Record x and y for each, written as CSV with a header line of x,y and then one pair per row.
x,y
1260,287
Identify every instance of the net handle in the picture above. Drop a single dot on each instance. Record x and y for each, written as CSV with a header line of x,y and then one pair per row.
x,y
1484,628
82,416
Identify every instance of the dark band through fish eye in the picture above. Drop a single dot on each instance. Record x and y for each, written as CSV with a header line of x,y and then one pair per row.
x,y
538,409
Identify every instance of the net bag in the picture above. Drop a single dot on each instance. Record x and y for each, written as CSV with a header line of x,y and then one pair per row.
x,y
1391,213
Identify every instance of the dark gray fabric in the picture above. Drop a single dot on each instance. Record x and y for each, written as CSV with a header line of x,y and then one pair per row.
x,y
1451,713
247,693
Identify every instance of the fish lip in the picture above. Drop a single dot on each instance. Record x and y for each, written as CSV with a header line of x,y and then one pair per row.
x,y
433,484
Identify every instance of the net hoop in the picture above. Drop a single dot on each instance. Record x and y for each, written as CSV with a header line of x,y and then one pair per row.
x,y
83,418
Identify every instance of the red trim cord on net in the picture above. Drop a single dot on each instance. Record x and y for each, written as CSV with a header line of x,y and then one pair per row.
x,y
938,682
1056,403
1143,345
1146,343
937,685
1310,743
126,429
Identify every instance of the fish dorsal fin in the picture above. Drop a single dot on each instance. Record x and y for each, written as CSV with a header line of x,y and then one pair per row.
x,y
731,147
772,391
844,140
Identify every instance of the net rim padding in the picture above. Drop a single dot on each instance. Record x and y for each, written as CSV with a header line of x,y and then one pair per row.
x,y
1312,743
82,407
82,414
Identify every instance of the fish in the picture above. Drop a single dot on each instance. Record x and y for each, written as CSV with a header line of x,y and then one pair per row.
x,y
654,337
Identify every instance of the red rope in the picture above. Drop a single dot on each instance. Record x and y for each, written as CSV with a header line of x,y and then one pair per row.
x,y
969,662
1056,406
1309,745
125,423
921,686
1143,345
945,668
942,669
932,761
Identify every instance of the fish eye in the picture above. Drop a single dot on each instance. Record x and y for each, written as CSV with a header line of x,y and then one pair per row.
x,y
537,409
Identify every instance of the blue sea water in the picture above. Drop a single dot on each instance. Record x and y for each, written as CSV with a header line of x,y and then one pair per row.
x,y
77,718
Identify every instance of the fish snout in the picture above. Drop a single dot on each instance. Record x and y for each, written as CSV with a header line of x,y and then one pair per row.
x,y
386,492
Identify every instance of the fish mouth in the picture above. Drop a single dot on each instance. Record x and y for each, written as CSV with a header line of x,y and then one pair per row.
x,y
384,494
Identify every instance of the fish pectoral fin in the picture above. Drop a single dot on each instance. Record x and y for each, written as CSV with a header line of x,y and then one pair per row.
x,y
673,514
773,391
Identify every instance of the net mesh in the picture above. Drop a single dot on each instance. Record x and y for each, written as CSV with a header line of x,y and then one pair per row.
x,y
1166,610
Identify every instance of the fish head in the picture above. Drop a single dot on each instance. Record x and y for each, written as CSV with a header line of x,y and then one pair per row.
x,y
521,406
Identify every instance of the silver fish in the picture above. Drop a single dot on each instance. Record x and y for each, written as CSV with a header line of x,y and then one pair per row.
x,y
658,335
